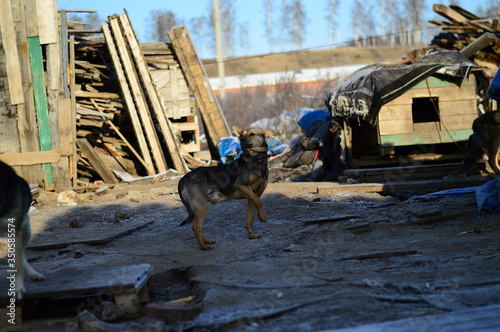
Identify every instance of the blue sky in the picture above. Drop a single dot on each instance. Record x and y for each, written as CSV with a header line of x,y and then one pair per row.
x,y
248,11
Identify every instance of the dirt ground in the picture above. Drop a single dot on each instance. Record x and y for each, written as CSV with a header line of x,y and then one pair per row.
x,y
324,262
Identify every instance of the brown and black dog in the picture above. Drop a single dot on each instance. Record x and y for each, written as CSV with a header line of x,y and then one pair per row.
x,y
485,140
246,177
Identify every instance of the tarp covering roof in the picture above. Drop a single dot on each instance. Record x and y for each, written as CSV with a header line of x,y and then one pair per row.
x,y
368,89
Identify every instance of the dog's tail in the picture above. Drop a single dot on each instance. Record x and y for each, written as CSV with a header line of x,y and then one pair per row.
x,y
185,202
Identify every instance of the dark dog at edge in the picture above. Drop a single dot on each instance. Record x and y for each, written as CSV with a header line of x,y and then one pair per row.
x,y
15,201
244,178
485,140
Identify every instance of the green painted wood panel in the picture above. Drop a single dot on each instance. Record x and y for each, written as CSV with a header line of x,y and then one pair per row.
x,y
41,106
433,82
435,137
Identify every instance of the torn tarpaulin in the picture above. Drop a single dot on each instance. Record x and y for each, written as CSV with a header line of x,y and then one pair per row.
x,y
368,89
488,196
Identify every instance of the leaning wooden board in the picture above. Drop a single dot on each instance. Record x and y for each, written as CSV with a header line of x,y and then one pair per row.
x,y
214,121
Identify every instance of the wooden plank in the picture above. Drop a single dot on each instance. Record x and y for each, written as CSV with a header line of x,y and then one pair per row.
x,y
31,158
46,14
449,13
213,119
404,185
11,57
74,159
67,130
482,318
26,113
136,154
32,23
64,51
412,172
138,95
40,96
88,94
111,281
127,95
96,162
165,125
106,233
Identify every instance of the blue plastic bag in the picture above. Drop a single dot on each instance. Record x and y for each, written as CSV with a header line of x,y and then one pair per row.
x,y
494,90
229,149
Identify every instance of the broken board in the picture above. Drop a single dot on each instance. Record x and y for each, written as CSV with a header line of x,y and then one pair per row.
x,y
107,232
127,285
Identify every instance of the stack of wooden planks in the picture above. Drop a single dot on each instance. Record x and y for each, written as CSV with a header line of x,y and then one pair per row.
x,y
86,105
463,28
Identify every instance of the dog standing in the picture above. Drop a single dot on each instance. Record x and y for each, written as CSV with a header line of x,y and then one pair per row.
x,y
15,201
246,177
485,140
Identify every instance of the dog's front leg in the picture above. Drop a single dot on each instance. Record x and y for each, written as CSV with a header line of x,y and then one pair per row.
x,y
20,290
493,153
249,220
247,193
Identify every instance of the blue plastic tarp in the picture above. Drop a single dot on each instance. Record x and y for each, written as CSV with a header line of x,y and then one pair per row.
x,y
488,196
308,116
494,90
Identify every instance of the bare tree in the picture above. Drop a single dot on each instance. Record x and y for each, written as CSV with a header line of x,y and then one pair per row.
x,y
367,25
414,8
198,30
160,23
299,23
244,40
269,23
356,17
228,21
489,9
331,9
285,22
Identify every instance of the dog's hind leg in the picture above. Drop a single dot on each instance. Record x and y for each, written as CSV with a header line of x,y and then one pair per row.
x,y
493,154
249,220
200,212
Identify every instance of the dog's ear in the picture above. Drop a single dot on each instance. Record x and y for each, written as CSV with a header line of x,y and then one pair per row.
x,y
237,131
267,133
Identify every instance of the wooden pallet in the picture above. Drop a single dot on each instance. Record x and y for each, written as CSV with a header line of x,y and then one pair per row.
x,y
190,131
128,286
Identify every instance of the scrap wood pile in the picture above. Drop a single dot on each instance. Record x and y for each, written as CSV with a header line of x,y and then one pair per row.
x,y
98,112
462,28
118,108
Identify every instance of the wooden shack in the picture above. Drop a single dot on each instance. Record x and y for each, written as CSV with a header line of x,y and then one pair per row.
x,y
433,118
434,111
